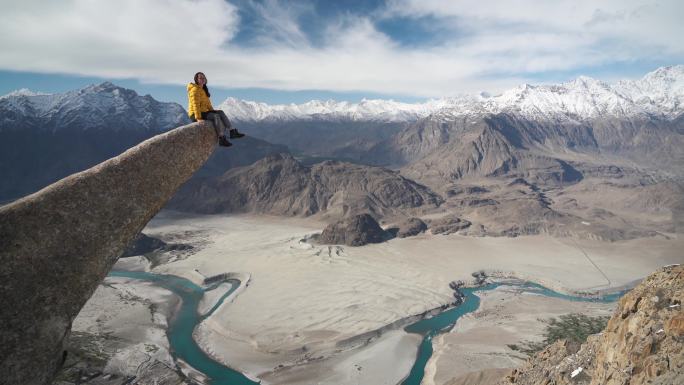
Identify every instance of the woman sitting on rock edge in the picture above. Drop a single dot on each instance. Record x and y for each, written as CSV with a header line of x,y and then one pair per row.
x,y
200,108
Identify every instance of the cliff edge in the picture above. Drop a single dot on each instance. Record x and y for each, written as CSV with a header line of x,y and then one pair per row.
x,y
58,244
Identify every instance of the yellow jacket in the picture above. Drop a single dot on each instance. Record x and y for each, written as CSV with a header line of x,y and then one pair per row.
x,y
198,101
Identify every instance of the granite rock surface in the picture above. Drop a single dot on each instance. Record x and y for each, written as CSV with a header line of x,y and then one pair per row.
x,y
643,342
57,244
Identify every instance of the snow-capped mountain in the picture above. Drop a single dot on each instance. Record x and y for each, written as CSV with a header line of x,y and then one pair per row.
x,y
46,137
658,94
366,110
549,127
22,92
102,106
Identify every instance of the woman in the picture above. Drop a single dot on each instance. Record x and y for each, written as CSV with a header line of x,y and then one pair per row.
x,y
200,108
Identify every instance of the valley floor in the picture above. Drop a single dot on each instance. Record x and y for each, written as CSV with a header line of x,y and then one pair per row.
x,y
307,306
477,351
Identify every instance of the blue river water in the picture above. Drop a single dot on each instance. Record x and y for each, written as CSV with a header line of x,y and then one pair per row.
x,y
446,320
183,346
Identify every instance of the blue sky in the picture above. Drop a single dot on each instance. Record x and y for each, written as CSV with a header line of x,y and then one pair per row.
x,y
292,51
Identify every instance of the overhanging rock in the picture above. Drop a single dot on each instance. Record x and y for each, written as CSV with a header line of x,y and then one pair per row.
x,y
58,244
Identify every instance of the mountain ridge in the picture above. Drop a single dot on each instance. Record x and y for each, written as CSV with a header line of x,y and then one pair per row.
x,y
92,107
45,137
280,185
658,93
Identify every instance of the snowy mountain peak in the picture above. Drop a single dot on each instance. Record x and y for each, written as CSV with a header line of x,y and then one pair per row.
x,y
365,110
668,79
587,82
104,86
659,93
110,89
669,73
22,92
93,105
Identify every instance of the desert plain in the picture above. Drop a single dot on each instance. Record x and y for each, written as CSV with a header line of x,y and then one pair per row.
x,y
333,314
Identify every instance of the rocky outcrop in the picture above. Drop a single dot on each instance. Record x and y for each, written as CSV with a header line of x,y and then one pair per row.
x,y
411,227
280,185
58,244
643,342
357,230
448,225
144,244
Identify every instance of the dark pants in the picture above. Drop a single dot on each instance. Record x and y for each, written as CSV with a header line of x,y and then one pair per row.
x,y
220,121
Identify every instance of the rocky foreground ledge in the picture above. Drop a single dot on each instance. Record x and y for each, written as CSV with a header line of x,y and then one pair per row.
x,y
58,244
643,342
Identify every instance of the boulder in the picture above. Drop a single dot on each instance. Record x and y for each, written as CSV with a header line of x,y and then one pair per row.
x,y
143,244
357,230
411,227
448,225
149,247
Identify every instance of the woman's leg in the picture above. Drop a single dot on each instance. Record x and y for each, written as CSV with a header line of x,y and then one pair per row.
x,y
224,119
215,118
234,134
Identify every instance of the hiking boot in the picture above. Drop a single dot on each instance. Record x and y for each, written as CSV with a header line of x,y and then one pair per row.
x,y
224,142
234,134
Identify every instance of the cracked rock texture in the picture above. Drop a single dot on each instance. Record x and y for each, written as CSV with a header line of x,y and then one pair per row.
x,y
57,244
643,342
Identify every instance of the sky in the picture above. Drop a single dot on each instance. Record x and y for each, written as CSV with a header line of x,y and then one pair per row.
x,y
293,51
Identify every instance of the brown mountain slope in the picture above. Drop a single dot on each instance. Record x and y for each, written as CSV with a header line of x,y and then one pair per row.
x,y
280,185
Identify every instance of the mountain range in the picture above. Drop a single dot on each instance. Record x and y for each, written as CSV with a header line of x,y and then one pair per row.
x,y
534,159
45,137
637,119
658,94
280,185
583,158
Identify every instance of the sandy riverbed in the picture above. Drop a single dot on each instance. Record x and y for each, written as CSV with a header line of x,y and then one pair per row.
x,y
475,352
129,319
307,302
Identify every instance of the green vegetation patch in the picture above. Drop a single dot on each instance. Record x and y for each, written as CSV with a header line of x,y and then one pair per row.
x,y
574,327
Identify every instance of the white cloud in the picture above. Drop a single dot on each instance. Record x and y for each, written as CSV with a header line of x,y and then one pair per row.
x,y
280,23
496,44
629,29
123,38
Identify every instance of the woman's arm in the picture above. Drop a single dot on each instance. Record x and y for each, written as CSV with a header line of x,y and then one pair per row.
x,y
194,100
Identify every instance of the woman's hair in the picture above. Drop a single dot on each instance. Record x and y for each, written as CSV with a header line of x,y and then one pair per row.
x,y
206,89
